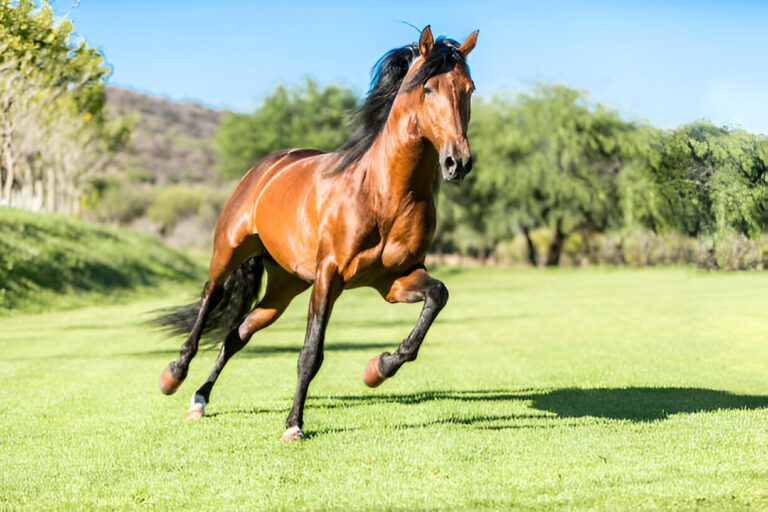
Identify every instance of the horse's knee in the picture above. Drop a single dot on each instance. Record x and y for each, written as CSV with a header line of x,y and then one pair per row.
x,y
438,293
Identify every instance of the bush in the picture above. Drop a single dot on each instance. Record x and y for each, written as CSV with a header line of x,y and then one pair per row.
x,y
512,252
575,250
123,204
173,204
641,248
734,251
213,202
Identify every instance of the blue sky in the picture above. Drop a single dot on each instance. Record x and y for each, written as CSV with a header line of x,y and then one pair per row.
x,y
668,62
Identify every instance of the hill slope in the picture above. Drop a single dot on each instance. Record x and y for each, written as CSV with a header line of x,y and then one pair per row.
x,y
50,259
171,141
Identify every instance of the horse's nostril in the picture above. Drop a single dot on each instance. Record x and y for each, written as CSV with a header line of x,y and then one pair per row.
x,y
449,162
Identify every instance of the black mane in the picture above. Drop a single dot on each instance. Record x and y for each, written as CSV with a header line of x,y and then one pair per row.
x,y
387,76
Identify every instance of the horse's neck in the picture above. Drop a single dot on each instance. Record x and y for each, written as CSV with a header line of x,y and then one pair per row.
x,y
401,164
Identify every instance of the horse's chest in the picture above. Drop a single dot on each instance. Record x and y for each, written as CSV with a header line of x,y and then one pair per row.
x,y
392,246
409,237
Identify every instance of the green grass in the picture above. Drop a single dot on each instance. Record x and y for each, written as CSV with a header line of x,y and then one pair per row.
x,y
53,260
585,389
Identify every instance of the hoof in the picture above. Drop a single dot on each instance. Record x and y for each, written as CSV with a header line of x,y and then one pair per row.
x,y
167,383
196,407
292,434
372,374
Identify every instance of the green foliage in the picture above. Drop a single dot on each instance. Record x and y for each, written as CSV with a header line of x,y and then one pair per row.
x,y
712,180
550,158
172,204
45,258
546,158
120,203
56,128
304,116
29,34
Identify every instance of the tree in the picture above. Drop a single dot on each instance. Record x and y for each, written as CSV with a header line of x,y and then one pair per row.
x,y
712,180
304,116
54,129
548,158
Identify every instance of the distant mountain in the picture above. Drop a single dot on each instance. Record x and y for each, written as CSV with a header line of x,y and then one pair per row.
x,y
171,141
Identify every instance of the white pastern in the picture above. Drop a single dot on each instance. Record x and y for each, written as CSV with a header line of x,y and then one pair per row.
x,y
196,407
292,433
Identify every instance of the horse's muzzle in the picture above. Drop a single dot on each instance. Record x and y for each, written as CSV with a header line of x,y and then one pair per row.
x,y
453,166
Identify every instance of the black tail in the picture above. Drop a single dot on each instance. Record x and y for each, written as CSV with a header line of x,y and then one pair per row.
x,y
235,301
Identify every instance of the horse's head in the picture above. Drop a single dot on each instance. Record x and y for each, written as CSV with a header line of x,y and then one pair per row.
x,y
441,81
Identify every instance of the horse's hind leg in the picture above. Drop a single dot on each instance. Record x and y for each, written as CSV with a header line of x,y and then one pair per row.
x,y
176,371
282,287
414,287
225,260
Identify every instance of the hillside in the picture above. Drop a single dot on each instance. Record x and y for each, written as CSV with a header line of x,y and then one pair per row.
x,y
171,140
51,259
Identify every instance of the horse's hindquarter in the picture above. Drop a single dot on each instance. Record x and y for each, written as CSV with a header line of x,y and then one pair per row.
x,y
285,213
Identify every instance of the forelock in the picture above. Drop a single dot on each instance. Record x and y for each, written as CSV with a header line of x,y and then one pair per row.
x,y
443,58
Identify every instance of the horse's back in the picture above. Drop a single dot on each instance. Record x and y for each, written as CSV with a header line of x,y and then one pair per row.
x,y
257,176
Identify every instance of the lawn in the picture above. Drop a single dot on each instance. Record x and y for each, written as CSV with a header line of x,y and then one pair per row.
x,y
589,389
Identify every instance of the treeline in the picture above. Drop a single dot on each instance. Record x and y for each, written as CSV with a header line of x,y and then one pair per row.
x,y
558,179
55,134
558,176
549,159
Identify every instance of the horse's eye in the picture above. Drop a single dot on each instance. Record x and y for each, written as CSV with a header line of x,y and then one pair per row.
x,y
428,90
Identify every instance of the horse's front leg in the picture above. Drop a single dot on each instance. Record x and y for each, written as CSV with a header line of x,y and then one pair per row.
x,y
414,287
327,288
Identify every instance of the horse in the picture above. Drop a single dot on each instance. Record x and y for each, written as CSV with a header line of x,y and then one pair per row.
x,y
361,216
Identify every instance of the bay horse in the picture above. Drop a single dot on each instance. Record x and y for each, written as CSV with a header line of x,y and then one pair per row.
x,y
361,216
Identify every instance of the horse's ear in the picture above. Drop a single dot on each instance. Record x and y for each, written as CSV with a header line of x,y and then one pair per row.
x,y
425,41
469,44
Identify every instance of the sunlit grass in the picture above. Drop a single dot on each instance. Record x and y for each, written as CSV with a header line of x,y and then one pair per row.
x,y
601,388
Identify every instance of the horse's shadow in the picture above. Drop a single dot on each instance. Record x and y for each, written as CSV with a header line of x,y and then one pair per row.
x,y
642,404
636,404
549,409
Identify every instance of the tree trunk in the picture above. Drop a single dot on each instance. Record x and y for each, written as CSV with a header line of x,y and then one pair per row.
x,y
6,153
26,186
50,190
533,255
556,246
10,176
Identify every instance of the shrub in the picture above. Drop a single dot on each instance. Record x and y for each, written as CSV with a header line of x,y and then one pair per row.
x,y
512,252
123,204
734,251
174,203
642,248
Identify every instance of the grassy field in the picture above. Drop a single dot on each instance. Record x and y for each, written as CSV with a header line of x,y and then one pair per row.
x,y
58,261
602,389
